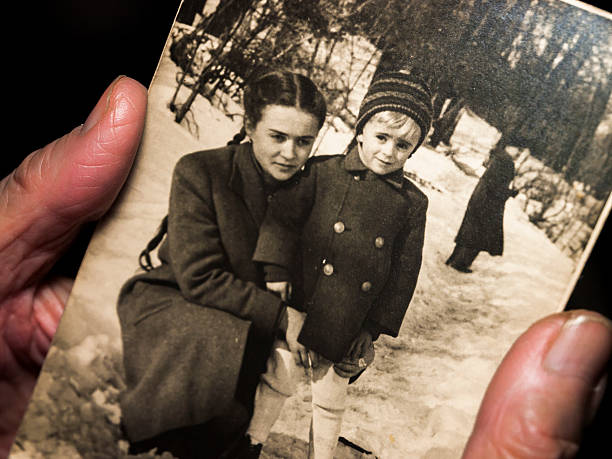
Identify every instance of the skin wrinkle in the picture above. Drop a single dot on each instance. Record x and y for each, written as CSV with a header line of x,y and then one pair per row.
x,y
38,345
19,331
44,318
542,442
8,269
17,186
53,297
32,311
19,180
118,122
42,340
527,441
32,263
64,214
17,338
102,159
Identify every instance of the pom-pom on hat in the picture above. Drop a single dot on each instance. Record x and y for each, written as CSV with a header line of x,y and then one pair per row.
x,y
398,91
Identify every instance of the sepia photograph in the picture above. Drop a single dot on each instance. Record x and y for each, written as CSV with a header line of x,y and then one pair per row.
x,y
341,216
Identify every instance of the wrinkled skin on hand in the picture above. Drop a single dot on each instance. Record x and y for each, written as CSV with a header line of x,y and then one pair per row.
x,y
43,204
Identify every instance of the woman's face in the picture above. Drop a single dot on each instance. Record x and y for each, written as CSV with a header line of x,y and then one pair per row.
x,y
283,139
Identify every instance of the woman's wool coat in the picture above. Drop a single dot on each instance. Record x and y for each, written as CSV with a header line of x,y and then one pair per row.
x,y
185,323
482,227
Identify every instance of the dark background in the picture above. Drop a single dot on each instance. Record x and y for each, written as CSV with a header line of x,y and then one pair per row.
x,y
61,55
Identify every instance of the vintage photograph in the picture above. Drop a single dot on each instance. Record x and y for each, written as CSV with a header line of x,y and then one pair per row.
x,y
341,216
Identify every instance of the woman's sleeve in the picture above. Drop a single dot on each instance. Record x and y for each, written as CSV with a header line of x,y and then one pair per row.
x,y
279,234
197,256
387,313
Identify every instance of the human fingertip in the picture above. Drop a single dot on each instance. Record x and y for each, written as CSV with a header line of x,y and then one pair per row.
x,y
580,316
120,97
126,95
100,108
582,348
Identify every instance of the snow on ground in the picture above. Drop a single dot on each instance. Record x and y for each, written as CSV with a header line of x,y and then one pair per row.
x,y
420,396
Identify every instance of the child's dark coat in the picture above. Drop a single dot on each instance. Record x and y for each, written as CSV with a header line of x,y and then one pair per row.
x,y
360,237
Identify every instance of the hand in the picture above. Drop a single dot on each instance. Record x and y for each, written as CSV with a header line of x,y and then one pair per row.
x,y
358,358
360,345
545,391
43,203
283,289
295,321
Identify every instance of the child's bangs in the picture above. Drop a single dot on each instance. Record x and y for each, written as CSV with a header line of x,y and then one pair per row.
x,y
395,120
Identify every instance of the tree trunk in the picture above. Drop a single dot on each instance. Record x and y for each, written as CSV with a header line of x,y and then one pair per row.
x,y
445,126
188,11
228,12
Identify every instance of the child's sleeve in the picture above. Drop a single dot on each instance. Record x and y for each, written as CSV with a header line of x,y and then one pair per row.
x,y
279,234
387,313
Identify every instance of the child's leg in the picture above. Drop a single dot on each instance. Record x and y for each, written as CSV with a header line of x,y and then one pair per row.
x,y
275,386
328,402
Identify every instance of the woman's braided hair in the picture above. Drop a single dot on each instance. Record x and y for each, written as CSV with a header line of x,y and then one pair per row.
x,y
284,88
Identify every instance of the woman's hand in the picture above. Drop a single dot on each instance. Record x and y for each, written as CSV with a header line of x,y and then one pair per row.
x,y
295,321
283,289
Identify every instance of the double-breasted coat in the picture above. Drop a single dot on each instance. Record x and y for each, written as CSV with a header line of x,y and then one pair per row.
x,y
359,237
185,324
482,227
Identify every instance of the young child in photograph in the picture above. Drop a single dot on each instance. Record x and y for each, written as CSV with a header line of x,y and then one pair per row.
x,y
355,225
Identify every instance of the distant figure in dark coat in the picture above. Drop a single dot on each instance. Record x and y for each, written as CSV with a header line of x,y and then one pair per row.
x,y
197,328
482,228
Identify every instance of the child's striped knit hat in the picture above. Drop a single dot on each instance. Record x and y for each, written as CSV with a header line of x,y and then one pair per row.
x,y
398,91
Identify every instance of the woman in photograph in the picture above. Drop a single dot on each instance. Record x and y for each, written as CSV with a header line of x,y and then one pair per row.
x,y
482,228
197,329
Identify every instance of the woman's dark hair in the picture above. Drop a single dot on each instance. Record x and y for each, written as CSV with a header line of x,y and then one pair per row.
x,y
281,88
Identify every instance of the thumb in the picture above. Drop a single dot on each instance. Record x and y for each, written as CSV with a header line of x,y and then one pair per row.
x,y
71,181
544,391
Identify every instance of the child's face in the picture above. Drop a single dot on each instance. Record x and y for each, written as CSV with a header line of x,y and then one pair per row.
x,y
282,139
384,149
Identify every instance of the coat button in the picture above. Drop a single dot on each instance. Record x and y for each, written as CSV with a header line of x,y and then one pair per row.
x,y
269,197
366,286
379,242
328,269
356,177
339,227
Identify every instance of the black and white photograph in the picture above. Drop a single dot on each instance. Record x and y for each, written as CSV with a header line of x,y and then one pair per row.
x,y
341,216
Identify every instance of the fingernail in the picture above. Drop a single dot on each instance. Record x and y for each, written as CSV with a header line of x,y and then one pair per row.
x,y
575,353
101,107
